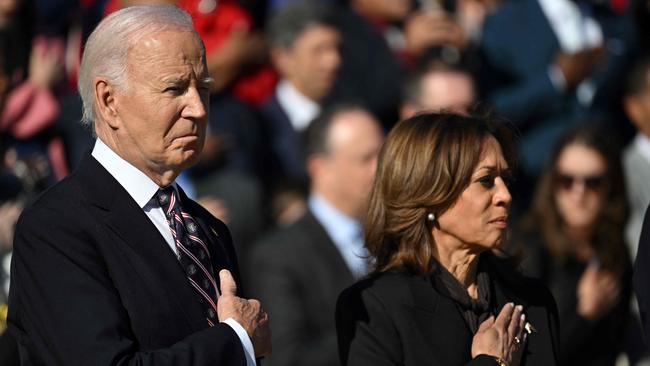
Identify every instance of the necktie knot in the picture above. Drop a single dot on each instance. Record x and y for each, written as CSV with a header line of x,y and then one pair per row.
x,y
166,198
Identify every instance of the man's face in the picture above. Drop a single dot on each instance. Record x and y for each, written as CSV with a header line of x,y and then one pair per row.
x,y
162,114
311,63
355,139
448,90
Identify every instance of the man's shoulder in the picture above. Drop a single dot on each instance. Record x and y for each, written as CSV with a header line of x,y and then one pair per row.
x,y
297,236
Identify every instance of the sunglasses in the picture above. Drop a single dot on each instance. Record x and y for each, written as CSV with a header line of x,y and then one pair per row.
x,y
591,182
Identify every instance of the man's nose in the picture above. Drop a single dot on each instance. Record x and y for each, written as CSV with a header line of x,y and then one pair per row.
x,y
196,106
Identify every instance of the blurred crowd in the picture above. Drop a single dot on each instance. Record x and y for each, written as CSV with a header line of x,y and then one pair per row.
x,y
303,95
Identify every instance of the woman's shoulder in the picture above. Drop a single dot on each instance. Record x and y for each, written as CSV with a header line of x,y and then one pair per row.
x,y
385,287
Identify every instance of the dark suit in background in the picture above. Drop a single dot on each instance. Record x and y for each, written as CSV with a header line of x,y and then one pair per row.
x,y
98,284
641,277
298,273
519,46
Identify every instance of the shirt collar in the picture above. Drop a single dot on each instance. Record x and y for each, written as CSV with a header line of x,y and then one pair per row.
x,y
642,143
340,227
300,109
135,182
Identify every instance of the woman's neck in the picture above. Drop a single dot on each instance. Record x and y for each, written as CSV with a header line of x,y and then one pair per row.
x,y
462,263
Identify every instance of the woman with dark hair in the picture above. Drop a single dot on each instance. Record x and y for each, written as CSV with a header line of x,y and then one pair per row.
x,y
439,294
573,240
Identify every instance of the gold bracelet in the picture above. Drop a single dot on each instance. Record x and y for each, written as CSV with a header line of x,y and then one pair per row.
x,y
500,361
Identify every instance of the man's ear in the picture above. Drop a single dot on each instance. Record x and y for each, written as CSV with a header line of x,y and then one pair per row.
x,y
280,57
105,101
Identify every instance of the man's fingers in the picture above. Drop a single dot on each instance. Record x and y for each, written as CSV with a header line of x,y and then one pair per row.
x,y
228,285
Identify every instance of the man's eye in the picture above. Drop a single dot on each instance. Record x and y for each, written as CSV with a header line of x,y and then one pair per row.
x,y
173,90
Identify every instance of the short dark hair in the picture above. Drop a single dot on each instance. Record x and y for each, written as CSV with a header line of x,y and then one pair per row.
x,y
638,78
293,20
317,135
425,164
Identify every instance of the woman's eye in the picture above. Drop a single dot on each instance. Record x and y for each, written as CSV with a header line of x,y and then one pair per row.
x,y
487,181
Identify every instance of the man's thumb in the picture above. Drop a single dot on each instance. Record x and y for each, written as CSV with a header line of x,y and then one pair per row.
x,y
228,285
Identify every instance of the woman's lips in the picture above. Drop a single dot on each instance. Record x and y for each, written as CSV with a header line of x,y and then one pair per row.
x,y
500,222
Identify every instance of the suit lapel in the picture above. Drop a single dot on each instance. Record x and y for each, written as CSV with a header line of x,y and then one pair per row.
x,y
327,249
127,220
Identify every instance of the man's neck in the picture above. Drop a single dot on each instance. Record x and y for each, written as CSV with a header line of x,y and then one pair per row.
x,y
162,178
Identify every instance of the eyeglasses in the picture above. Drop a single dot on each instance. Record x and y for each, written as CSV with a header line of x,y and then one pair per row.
x,y
591,182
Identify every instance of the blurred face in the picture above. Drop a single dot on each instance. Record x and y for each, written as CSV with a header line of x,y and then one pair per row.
x,y
637,108
579,185
453,91
384,10
478,219
312,61
348,170
162,115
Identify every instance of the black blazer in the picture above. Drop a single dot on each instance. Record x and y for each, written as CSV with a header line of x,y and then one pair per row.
x,y
400,319
94,282
298,273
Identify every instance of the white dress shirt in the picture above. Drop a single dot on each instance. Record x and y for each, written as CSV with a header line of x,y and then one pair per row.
x,y
299,109
142,189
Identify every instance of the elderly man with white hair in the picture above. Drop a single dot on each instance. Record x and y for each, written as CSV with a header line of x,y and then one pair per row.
x,y
115,265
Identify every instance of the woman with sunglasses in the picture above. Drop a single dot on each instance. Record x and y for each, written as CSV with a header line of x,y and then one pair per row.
x,y
573,240
439,295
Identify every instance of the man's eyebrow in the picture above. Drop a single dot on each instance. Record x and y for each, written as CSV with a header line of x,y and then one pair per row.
x,y
206,81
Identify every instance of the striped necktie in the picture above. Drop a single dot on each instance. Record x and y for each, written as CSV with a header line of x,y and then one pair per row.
x,y
192,251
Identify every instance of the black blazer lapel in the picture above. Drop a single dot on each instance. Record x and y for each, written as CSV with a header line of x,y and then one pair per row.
x,y
126,220
437,318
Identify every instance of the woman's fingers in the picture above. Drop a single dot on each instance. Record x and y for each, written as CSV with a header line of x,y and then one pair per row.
x,y
514,326
487,323
503,319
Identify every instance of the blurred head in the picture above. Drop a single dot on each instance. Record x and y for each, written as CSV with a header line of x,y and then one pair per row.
x,y
342,148
636,101
305,47
383,10
438,88
144,81
453,166
581,191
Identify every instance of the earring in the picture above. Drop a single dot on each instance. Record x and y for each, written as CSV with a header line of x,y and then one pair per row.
x,y
431,217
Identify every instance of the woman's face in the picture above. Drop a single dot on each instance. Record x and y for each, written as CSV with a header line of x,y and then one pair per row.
x,y
580,180
478,219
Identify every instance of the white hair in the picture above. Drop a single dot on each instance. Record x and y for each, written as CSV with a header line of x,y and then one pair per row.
x,y
109,44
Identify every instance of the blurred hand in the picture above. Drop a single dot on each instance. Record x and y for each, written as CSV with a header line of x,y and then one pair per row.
x,y
46,62
248,313
425,29
578,66
9,213
496,337
598,292
218,208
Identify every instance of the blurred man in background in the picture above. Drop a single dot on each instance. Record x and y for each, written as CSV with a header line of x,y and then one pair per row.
x,y
300,270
